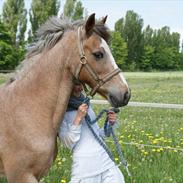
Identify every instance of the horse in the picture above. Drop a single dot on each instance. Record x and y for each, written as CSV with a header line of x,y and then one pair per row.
x,y
33,102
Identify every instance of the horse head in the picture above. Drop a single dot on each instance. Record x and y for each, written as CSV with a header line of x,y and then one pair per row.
x,y
96,66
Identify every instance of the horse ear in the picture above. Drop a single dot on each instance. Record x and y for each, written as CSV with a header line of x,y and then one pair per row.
x,y
103,21
90,23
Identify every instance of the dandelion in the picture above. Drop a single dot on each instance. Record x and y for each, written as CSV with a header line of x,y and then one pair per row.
x,y
63,181
59,163
116,159
155,141
161,149
120,141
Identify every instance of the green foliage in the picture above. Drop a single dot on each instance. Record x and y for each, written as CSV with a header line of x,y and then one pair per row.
x,y
12,34
147,57
119,49
131,31
4,34
78,13
149,49
181,61
14,17
166,58
133,48
73,9
40,11
9,54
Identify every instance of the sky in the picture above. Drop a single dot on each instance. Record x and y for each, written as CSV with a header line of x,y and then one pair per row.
x,y
156,13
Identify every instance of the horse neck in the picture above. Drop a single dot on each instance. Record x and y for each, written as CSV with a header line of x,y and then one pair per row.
x,y
49,83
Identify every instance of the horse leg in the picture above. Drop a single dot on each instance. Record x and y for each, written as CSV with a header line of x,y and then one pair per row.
x,y
17,173
25,178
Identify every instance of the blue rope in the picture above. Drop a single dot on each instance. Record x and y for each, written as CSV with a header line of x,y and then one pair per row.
x,y
108,130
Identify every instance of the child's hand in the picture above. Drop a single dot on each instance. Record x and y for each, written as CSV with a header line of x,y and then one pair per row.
x,y
82,110
81,113
111,117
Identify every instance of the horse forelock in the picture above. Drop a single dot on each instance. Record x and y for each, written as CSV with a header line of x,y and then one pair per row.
x,y
102,31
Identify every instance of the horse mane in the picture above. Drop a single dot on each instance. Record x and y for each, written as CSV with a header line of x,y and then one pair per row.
x,y
47,37
49,34
53,29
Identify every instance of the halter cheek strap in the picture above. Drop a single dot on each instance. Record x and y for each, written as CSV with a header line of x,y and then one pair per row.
x,y
94,75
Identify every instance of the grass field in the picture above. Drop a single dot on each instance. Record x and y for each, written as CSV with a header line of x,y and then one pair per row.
x,y
139,125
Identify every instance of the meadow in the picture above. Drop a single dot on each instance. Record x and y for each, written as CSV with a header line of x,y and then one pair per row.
x,y
161,129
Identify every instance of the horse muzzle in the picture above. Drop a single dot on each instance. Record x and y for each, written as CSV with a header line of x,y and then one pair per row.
x,y
119,99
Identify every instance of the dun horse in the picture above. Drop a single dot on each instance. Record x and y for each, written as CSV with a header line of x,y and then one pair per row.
x,y
33,103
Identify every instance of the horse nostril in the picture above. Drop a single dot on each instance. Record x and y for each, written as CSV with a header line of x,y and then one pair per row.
x,y
127,96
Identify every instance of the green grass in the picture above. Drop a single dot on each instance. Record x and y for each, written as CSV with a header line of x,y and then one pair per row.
x,y
3,77
154,126
163,87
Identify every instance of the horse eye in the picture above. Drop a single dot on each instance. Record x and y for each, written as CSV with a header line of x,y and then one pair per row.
x,y
98,55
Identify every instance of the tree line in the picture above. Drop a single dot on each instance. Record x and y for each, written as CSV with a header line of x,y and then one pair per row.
x,y
133,46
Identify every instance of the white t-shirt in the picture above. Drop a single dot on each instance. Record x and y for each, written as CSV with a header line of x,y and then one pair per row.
x,y
89,157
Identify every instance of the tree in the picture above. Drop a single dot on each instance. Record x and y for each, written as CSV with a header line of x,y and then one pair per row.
x,y
8,54
147,58
166,59
148,36
78,13
73,9
131,27
14,17
119,49
40,11
119,26
146,63
166,54
181,61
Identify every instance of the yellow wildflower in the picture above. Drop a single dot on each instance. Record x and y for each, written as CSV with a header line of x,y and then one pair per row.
x,y
63,181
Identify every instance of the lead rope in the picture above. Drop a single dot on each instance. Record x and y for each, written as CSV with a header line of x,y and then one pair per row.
x,y
108,130
119,150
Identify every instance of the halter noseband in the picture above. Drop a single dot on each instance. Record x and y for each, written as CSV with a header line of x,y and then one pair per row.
x,y
84,63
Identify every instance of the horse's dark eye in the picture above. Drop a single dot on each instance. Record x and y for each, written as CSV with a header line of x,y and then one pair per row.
x,y
98,55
